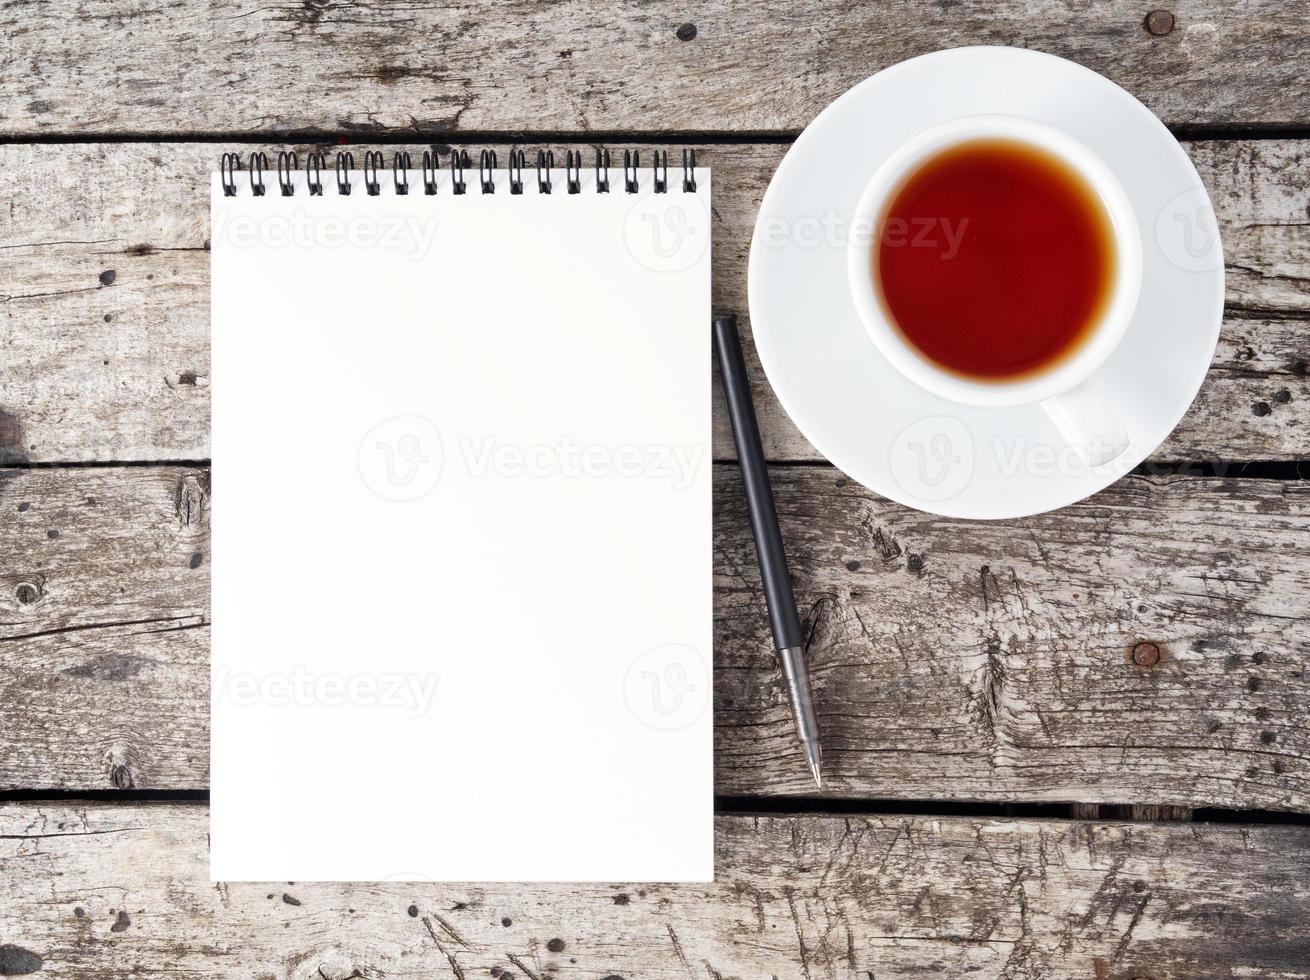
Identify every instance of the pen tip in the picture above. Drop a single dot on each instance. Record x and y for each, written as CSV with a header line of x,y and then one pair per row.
x,y
813,759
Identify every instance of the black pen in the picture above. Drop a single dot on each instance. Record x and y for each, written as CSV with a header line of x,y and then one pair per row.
x,y
763,516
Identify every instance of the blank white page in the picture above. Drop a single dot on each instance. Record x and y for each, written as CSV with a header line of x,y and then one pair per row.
x,y
461,532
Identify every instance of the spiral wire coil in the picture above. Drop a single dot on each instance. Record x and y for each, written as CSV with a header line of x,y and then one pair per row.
x,y
230,166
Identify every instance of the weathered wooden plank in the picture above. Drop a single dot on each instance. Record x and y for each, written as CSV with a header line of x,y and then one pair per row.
x,y
104,283
954,657
97,892
951,660
171,67
100,601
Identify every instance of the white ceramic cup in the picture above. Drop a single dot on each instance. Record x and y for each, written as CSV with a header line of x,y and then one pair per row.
x,y
1066,390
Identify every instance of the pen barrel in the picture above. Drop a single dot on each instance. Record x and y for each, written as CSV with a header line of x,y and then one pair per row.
x,y
778,594
797,675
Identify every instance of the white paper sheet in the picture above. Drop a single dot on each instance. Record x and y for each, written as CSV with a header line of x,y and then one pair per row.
x,y
461,520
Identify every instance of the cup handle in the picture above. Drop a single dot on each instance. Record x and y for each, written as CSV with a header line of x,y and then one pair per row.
x,y
1088,422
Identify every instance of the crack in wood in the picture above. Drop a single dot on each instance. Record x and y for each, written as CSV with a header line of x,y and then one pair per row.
x,y
185,623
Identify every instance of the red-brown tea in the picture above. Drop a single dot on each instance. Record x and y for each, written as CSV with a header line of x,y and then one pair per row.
x,y
995,259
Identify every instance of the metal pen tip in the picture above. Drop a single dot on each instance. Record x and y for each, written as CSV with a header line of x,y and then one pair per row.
x,y
814,756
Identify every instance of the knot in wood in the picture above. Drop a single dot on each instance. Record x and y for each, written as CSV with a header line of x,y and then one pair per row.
x,y
191,497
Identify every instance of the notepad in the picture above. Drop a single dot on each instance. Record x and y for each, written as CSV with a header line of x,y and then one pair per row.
x,y
461,521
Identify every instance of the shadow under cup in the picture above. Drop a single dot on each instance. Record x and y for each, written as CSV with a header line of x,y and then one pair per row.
x,y
1002,268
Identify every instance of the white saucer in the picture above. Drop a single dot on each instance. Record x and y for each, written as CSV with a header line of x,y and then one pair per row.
x,y
887,432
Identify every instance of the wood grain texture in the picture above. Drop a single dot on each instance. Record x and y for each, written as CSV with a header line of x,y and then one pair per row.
x,y
176,67
951,660
104,302
982,660
99,892
104,651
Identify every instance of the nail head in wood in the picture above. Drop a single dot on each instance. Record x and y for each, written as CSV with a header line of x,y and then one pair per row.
x,y
1159,22
1146,654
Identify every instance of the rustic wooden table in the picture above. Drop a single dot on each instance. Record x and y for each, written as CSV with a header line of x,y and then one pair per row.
x,y
1070,746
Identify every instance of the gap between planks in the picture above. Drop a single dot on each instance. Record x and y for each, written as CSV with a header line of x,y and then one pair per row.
x,y
790,806
646,137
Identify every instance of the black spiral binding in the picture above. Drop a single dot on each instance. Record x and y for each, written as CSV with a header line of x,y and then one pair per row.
x,y
631,166
286,172
258,164
517,158
545,164
227,173
400,173
430,167
314,174
458,162
372,162
573,171
660,170
345,164
287,164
